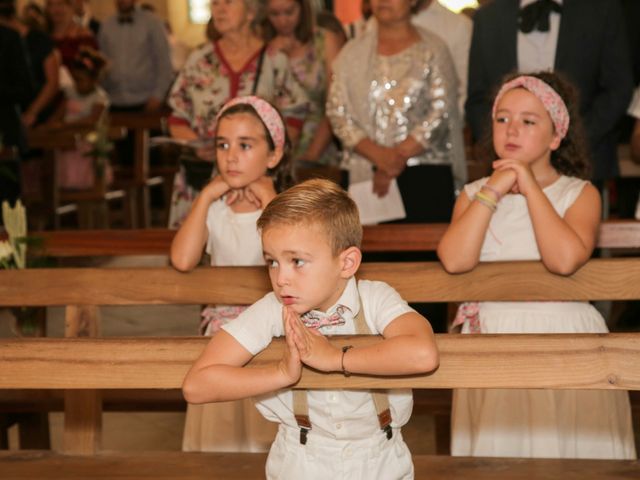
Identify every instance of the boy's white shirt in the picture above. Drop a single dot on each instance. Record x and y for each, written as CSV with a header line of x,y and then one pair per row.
x,y
340,414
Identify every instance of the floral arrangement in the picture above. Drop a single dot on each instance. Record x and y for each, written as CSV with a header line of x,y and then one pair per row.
x,y
100,146
13,252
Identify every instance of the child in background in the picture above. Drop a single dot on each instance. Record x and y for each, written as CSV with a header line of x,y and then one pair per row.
x,y
83,104
311,238
534,206
252,157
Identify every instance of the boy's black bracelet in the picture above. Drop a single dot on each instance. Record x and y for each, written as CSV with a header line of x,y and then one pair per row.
x,y
344,350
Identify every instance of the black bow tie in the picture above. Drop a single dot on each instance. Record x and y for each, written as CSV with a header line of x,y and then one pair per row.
x,y
125,19
535,16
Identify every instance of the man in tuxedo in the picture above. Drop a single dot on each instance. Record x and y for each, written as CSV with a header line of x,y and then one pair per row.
x,y
583,39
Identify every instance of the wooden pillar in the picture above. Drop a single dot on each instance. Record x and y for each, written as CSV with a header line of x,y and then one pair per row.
x,y
82,408
141,175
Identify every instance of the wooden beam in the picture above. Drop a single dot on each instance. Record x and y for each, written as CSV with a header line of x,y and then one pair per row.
x,y
250,466
376,238
599,279
576,361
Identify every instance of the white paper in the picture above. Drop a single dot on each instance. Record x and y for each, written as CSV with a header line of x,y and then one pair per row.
x,y
374,209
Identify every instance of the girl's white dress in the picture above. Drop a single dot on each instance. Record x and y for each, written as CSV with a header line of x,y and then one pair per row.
x,y
229,426
537,423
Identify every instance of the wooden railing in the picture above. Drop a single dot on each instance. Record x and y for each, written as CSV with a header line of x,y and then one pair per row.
x,y
614,234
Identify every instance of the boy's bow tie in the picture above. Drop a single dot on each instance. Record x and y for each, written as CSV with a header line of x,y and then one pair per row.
x,y
535,16
316,319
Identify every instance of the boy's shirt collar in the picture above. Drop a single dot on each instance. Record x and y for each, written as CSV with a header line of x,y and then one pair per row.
x,y
346,308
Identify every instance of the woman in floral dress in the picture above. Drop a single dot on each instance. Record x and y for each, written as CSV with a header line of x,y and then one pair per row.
x,y
237,62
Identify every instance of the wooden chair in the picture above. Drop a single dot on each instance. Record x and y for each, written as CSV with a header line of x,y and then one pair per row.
x,y
90,205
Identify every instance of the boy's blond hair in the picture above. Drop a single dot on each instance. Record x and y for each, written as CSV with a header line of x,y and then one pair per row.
x,y
321,202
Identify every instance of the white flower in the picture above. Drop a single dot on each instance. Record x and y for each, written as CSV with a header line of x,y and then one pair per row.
x,y
6,251
15,223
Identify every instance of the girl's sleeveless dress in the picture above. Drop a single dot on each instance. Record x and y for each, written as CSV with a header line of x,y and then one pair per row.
x,y
228,426
537,423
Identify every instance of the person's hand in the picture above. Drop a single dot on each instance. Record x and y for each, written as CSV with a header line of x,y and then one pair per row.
x,y
153,104
216,188
260,192
381,183
313,347
290,364
503,180
390,161
525,182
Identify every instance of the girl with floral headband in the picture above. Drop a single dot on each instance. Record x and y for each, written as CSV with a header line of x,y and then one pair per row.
x,y
535,205
253,165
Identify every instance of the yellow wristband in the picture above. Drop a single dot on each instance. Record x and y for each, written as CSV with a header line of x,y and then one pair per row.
x,y
486,201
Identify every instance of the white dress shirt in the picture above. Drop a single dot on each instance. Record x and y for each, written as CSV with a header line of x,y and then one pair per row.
x,y
537,50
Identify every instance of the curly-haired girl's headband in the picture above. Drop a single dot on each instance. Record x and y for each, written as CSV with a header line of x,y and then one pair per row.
x,y
267,113
552,102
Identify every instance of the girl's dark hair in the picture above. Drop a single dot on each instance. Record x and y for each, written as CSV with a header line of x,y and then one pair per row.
x,y
90,61
304,29
571,157
282,173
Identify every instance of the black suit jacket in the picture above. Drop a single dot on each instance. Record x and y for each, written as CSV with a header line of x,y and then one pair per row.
x,y
592,52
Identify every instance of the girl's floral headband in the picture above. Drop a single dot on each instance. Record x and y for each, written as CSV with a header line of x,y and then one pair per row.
x,y
552,102
267,113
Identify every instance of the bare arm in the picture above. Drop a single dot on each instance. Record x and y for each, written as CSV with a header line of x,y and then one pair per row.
x,y
565,244
187,245
459,248
408,347
218,374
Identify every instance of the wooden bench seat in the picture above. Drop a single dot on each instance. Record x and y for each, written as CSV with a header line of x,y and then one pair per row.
x,y
250,466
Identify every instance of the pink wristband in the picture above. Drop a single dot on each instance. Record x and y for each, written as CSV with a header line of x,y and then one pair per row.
x,y
492,190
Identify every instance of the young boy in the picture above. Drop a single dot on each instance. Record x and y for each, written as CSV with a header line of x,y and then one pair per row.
x,y
311,236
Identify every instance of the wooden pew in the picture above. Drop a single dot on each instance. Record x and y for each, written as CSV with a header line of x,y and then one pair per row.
x,y
607,361
143,176
614,234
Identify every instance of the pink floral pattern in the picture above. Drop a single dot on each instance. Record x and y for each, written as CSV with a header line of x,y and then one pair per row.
x,y
207,82
468,312
552,102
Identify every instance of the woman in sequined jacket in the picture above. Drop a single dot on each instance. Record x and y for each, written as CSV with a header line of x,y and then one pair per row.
x,y
393,104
